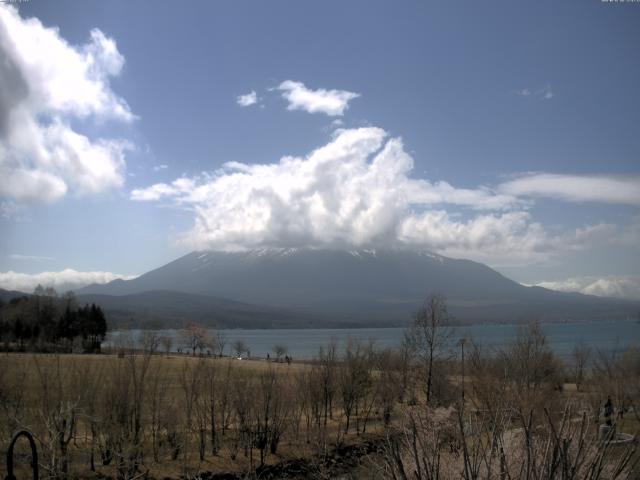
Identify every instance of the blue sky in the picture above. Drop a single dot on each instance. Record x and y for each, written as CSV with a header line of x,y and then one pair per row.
x,y
505,132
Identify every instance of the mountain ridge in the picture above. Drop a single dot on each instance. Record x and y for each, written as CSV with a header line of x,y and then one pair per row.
x,y
362,286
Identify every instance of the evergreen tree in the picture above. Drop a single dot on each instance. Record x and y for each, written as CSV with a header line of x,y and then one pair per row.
x,y
46,322
97,327
68,326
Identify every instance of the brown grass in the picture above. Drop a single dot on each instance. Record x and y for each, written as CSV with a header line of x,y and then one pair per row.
x,y
172,365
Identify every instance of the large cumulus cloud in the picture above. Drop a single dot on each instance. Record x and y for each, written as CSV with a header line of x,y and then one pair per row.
x,y
358,191
45,84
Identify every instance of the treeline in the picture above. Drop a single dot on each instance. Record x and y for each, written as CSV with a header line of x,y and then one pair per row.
x,y
47,322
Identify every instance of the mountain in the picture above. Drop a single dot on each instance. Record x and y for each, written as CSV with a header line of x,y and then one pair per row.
x,y
365,286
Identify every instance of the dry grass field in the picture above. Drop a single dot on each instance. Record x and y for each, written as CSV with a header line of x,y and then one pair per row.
x,y
363,414
37,388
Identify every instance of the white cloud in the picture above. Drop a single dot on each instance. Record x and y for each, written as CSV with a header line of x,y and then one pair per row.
x,y
546,93
619,286
159,168
506,239
11,210
357,191
160,191
330,102
248,99
46,83
576,188
63,280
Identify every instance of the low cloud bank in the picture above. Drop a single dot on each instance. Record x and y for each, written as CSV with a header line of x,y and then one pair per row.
x,y
67,279
618,286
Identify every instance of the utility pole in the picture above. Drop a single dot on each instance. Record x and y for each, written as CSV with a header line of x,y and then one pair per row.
x,y
462,340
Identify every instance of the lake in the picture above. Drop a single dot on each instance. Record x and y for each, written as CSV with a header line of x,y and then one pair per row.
x,y
610,335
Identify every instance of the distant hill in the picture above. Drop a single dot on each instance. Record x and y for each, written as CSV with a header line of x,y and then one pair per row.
x,y
361,287
159,309
6,295
170,309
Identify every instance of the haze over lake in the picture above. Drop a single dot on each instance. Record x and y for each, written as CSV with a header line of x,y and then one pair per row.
x,y
610,336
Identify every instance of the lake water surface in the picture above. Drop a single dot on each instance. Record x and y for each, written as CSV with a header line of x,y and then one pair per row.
x,y
613,335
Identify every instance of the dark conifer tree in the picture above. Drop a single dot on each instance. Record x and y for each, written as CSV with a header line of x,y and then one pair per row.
x,y
45,322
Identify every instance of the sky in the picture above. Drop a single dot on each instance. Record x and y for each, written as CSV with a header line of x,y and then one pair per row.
x,y
508,133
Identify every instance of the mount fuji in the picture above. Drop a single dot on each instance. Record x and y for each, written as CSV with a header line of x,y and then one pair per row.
x,y
315,287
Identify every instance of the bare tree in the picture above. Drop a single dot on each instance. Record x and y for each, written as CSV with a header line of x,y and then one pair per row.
x,y
159,404
195,337
355,379
92,385
213,387
487,375
190,379
581,355
388,381
221,343
123,409
328,359
436,444
60,406
240,347
407,371
280,350
225,397
430,334
270,412
244,407
531,366
149,342
617,374
167,342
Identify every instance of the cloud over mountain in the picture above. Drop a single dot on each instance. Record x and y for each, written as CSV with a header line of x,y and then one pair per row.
x,y
357,191
45,83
